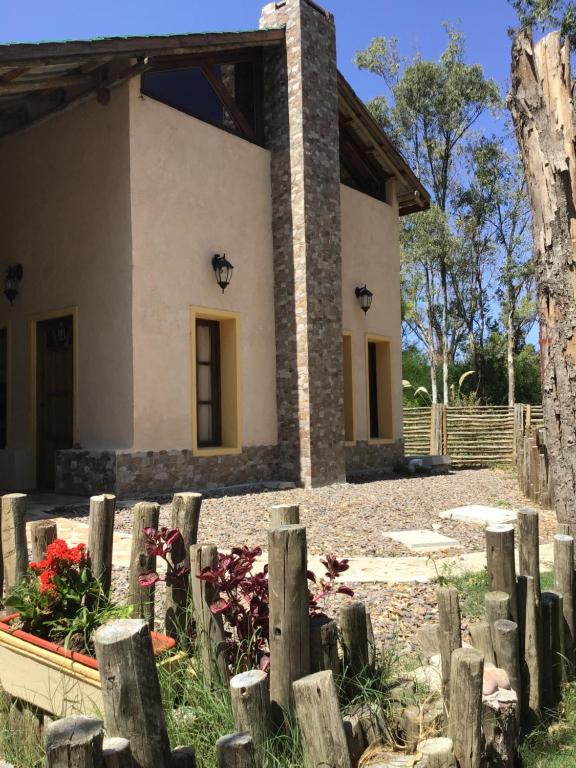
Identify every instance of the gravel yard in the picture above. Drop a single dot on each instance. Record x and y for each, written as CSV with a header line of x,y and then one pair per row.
x,y
351,520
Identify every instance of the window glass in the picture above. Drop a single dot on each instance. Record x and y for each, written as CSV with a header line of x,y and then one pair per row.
x,y
208,385
186,90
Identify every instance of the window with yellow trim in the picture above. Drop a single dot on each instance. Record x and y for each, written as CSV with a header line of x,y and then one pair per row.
x,y
215,403
348,389
379,390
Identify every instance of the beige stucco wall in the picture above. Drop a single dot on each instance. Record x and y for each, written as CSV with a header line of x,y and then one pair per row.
x,y
371,256
65,215
197,191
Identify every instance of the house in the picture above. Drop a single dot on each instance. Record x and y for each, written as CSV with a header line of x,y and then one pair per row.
x,y
130,167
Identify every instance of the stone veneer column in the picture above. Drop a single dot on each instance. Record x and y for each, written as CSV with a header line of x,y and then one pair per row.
x,y
301,111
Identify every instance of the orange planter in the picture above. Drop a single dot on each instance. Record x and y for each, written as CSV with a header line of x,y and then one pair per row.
x,y
47,675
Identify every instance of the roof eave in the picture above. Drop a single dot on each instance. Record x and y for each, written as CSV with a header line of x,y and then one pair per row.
x,y
412,195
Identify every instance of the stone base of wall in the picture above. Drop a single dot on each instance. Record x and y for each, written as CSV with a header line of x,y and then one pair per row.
x,y
155,472
366,458
124,472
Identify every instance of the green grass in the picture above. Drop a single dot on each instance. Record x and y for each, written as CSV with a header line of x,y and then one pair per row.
x,y
20,740
473,586
554,746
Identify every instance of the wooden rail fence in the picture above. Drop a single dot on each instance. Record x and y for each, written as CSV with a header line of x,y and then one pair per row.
x,y
471,435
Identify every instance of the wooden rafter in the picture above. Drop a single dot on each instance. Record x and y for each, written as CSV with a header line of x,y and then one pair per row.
x,y
46,84
242,125
14,74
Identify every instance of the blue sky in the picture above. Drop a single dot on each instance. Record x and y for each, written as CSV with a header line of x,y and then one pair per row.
x,y
417,24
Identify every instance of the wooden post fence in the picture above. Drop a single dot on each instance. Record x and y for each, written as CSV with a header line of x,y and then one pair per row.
x,y
142,598
186,517
131,690
289,619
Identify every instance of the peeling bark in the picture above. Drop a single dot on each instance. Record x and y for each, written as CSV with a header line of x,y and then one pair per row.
x,y
542,110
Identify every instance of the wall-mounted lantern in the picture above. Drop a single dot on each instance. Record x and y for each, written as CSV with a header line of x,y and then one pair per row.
x,y
364,297
222,270
14,275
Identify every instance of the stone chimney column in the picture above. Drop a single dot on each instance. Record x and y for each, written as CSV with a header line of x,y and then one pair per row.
x,y
301,114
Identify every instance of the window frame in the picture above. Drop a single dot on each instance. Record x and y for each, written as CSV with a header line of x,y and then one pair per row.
x,y
389,413
230,398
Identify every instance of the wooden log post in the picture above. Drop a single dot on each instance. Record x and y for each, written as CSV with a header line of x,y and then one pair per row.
x,y
564,583
131,690
284,514
465,719
552,623
235,751
496,606
142,598
14,544
357,743
500,726
320,720
186,517
416,722
507,650
324,645
209,626
354,635
250,694
500,563
184,757
289,618
101,537
529,546
530,649
74,742
116,753
371,640
481,636
42,534
450,632
438,752
438,430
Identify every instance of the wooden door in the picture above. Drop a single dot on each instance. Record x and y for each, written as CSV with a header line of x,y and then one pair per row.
x,y
54,395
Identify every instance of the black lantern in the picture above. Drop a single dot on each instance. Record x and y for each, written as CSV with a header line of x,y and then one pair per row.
x,y
364,297
14,275
222,270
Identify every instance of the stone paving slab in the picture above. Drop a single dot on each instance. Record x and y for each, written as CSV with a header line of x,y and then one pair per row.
x,y
478,514
422,539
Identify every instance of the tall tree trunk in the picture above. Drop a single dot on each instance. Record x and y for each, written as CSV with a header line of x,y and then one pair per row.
x,y
433,383
510,359
542,109
445,392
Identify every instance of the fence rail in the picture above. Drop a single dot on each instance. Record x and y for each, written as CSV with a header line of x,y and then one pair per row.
x,y
470,435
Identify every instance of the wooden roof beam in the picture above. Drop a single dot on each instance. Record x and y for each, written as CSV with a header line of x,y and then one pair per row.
x,y
14,74
47,84
29,54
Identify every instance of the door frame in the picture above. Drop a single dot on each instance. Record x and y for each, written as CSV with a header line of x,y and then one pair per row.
x,y
33,323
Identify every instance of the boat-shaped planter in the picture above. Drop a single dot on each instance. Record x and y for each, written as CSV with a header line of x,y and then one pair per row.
x,y
48,676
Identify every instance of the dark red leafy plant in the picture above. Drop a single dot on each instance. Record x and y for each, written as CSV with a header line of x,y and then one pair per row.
x,y
167,544
241,597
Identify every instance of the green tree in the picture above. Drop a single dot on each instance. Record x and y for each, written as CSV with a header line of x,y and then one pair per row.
x,y
495,221
429,111
548,14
